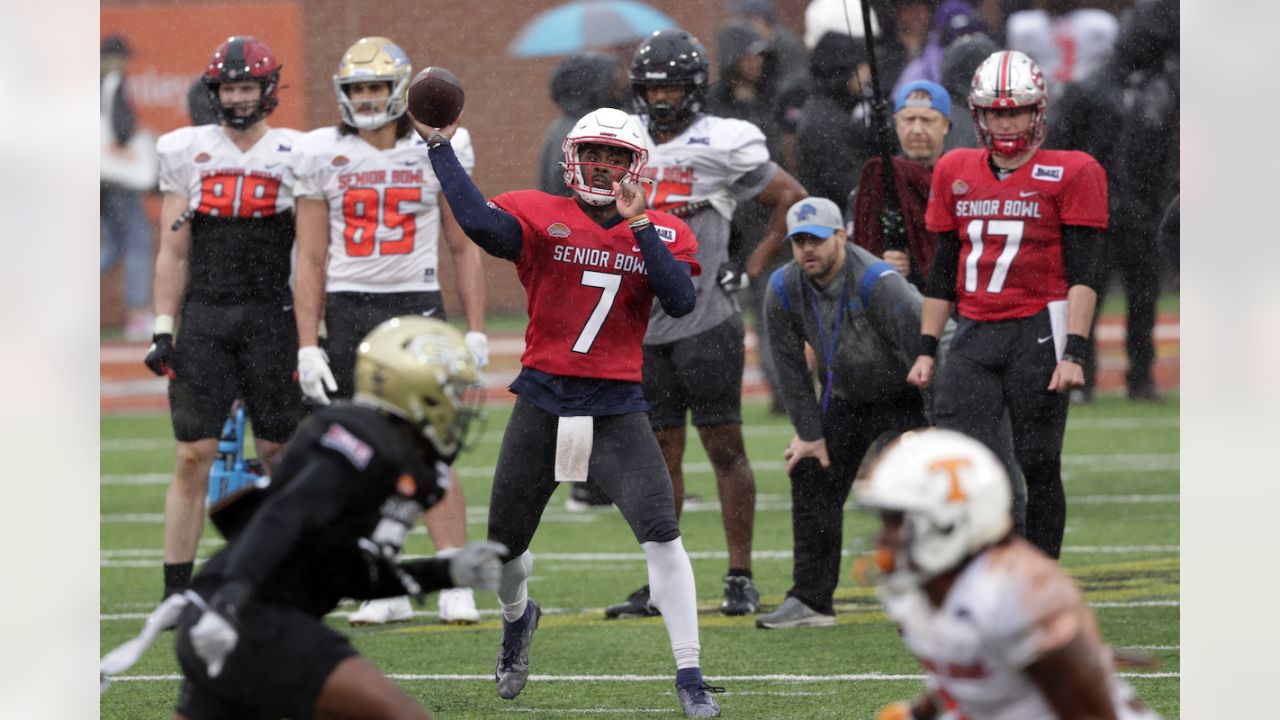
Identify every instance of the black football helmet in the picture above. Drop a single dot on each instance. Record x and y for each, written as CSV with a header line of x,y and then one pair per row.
x,y
244,58
666,58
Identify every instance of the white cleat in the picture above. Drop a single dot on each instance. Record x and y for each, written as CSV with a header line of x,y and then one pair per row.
x,y
381,612
458,607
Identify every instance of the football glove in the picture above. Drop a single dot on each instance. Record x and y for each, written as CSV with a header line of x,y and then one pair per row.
x,y
477,565
314,375
160,355
732,278
478,344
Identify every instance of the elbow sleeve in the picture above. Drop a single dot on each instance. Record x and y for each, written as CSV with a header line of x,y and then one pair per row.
x,y
1081,256
941,283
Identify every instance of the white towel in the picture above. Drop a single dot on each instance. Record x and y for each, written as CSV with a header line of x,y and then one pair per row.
x,y
1058,326
573,448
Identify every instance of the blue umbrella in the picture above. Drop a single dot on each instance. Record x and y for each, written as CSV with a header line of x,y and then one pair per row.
x,y
586,25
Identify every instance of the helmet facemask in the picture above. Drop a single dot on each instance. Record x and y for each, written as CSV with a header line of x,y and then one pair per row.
x,y
1009,80
670,58
608,127
243,58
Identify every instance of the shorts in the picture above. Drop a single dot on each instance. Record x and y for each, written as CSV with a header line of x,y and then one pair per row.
x,y
625,461
349,316
278,669
701,374
223,352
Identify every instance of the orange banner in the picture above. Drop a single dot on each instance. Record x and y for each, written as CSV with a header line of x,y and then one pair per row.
x,y
170,46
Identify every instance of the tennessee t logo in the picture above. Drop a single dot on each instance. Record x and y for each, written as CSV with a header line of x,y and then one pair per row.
x,y
952,467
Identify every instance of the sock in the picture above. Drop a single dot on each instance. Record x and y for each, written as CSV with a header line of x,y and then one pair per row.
x,y
672,591
177,576
689,677
739,572
513,590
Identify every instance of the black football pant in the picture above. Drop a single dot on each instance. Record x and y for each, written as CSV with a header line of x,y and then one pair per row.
x,y
1133,253
994,366
349,316
818,494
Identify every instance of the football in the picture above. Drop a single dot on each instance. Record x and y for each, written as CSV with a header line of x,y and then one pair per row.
x,y
435,97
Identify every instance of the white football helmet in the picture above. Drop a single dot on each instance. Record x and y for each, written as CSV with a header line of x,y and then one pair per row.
x,y
605,126
373,59
1005,80
955,499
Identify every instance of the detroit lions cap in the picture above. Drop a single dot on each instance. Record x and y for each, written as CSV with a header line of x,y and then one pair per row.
x,y
815,216
939,99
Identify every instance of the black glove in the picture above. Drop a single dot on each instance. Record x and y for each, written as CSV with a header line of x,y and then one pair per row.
x,y
894,229
732,278
160,356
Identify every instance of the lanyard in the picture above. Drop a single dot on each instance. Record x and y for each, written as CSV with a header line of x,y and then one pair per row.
x,y
829,350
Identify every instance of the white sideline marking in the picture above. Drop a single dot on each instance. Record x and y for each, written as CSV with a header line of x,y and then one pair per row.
x,y
858,677
1136,604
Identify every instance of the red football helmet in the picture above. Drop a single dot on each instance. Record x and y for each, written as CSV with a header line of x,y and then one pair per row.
x,y
1006,80
244,58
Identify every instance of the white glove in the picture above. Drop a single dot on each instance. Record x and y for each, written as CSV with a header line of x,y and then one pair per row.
x,y
314,375
213,639
477,565
478,344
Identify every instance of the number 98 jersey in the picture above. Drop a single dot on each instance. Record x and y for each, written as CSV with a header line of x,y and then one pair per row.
x,y
1011,230
384,208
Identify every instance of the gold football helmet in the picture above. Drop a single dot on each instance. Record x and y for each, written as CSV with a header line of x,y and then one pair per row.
x,y
373,59
420,371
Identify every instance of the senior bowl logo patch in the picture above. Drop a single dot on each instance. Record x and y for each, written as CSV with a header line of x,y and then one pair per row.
x,y
340,160
406,486
959,187
202,157
353,448
558,230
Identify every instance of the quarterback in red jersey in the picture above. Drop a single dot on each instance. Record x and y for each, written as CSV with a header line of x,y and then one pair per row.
x,y
592,265
1018,235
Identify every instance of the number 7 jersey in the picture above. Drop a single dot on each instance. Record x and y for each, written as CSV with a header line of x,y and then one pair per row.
x,y
1010,230
384,209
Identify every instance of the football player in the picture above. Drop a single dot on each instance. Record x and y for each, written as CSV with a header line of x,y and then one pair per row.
x,y
226,235
252,641
1018,234
703,166
1001,630
369,225
591,265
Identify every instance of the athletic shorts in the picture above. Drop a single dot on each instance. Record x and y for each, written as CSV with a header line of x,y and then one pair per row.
x,y
701,374
227,351
625,461
278,668
349,316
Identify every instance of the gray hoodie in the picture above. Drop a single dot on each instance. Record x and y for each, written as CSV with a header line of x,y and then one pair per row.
x,y
579,84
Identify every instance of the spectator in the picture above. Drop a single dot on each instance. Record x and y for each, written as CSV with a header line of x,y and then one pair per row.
x,y
961,59
1126,115
579,84
201,107
953,19
861,319
125,232
784,53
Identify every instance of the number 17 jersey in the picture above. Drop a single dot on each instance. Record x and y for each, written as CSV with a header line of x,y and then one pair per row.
x,y
1011,230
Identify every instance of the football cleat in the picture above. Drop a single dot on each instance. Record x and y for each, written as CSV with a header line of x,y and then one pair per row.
x,y
512,671
793,613
382,612
637,604
458,607
740,596
696,700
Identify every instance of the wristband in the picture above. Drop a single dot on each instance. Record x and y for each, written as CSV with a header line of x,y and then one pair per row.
x,y
436,140
639,222
1077,349
928,345
164,325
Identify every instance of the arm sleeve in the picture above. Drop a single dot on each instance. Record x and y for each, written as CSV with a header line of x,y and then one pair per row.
x,y
1082,256
668,278
317,495
496,231
941,283
784,333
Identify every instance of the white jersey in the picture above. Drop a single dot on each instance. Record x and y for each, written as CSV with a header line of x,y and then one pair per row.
x,y
701,175
1010,606
203,164
384,209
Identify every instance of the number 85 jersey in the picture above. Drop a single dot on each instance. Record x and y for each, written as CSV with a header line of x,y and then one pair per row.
x,y
384,208
1011,230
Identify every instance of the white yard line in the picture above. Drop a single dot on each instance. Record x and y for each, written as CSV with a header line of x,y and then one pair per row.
x,y
856,677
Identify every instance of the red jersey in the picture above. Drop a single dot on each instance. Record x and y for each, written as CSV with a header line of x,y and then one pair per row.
x,y
1011,230
589,295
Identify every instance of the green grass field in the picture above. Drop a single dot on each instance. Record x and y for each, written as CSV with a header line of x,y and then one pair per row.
x,y
1122,481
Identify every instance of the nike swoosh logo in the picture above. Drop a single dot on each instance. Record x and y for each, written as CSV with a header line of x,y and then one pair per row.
x,y
1044,340
287,308
271,165
414,161
429,313
1024,193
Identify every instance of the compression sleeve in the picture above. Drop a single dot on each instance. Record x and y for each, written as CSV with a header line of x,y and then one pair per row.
x,y
1080,256
497,232
668,278
941,283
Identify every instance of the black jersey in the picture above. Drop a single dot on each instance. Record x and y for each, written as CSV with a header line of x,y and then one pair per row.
x,y
345,493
